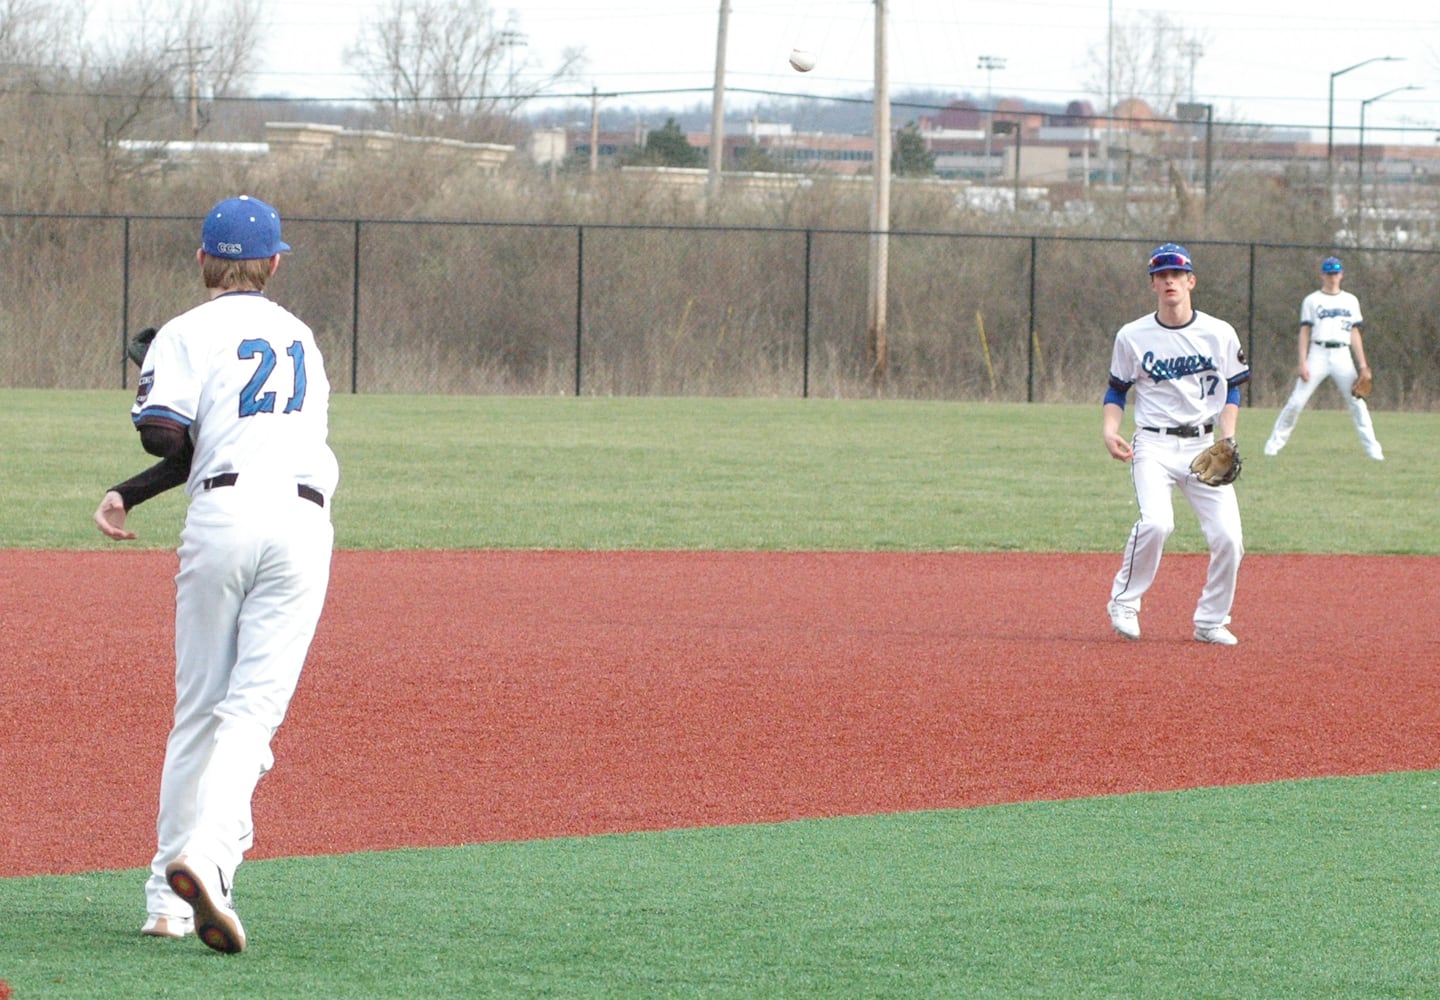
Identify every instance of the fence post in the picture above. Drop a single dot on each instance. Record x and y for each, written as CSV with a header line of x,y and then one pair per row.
x,y
125,304
805,362
1030,325
355,311
579,300
1250,321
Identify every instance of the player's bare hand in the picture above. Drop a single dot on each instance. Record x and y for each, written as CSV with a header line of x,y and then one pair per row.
x,y
1118,447
110,518
1304,372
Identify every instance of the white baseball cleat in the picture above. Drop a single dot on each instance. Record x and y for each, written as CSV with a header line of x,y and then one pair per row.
x,y
215,920
1124,620
165,926
1218,634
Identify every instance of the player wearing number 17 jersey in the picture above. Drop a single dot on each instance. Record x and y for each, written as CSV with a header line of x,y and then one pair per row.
x,y
1186,368
234,399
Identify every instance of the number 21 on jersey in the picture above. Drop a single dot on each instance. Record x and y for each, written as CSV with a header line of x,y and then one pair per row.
x,y
252,399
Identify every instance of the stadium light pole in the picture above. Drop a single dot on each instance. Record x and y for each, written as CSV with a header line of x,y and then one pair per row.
x,y
989,64
1005,128
1330,126
1360,157
1194,112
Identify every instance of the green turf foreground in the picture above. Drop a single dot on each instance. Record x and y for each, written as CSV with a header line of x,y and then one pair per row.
x,y
422,472
1322,888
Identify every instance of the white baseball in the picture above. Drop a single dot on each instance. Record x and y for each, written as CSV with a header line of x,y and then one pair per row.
x,y
802,60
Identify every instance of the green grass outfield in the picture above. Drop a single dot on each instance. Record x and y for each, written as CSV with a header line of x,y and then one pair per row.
x,y
447,472
1309,889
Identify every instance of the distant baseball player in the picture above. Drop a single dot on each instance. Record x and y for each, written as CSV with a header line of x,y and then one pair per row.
x,y
1186,368
1330,322
234,399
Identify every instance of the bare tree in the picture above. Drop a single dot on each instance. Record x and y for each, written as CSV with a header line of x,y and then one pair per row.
x,y
40,99
70,107
35,35
1146,68
228,35
1150,59
447,67
187,51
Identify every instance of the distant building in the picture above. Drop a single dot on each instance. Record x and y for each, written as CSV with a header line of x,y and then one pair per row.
x,y
310,141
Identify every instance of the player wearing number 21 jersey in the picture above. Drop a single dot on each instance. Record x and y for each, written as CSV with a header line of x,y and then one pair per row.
x,y
234,399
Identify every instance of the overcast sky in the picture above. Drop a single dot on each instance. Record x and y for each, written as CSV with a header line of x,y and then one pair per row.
x,y
1258,60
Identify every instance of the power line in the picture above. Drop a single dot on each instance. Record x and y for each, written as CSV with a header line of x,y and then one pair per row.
x,y
638,94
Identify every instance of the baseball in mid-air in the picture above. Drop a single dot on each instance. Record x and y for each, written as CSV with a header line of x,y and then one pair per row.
x,y
802,60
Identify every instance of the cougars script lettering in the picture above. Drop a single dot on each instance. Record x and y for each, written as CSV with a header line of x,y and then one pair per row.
x,y
1163,369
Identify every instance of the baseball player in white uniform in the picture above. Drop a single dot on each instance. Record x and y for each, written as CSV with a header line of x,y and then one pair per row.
x,y
1330,322
1186,368
234,398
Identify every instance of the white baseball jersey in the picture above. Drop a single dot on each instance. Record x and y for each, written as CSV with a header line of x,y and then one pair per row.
x,y
1182,374
1330,316
246,377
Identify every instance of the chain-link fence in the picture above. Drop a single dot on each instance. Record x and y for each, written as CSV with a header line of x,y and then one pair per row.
x,y
528,309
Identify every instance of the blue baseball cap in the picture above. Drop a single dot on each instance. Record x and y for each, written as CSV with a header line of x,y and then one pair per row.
x,y
1331,265
1170,257
242,228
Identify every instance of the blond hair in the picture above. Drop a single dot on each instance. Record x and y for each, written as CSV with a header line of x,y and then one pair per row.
x,y
237,275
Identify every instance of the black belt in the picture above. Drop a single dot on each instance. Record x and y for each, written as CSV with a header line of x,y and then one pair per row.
x,y
1182,432
231,478
1330,343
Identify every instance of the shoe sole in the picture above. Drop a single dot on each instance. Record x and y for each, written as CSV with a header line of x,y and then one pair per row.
x,y
212,925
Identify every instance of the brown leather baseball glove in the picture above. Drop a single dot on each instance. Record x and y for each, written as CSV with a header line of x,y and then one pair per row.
x,y
1217,465
1362,387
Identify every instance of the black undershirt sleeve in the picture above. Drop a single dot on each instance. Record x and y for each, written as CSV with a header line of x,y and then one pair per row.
x,y
172,442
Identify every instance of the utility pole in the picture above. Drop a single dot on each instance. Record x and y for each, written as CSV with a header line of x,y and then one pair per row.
x,y
594,129
880,209
717,107
510,39
193,61
194,102
1109,87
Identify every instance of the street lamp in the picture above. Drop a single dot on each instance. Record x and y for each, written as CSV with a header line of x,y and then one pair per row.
x,y
1360,157
1005,128
1330,128
1191,112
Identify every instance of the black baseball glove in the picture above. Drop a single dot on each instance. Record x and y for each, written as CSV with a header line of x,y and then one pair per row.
x,y
139,345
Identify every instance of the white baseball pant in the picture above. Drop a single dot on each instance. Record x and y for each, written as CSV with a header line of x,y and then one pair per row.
x,y
1160,464
1323,362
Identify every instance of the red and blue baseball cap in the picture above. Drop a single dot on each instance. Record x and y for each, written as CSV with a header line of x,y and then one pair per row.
x,y
242,228
1170,257
1331,265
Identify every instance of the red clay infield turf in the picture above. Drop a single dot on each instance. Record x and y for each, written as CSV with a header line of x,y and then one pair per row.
x,y
456,697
